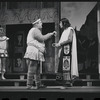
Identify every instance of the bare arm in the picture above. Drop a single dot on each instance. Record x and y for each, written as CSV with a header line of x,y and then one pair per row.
x,y
38,36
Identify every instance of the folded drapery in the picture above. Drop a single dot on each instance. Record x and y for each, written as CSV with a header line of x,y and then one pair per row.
x,y
74,62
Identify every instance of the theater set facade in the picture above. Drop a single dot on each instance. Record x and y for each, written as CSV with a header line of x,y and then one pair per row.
x,y
16,18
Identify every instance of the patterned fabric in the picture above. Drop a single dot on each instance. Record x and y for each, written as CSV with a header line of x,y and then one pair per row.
x,y
33,74
3,55
71,57
3,47
64,62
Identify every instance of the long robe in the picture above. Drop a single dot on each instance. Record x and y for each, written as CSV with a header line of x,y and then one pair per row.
x,y
69,53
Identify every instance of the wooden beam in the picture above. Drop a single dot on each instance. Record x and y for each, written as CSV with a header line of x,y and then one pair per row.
x,y
98,31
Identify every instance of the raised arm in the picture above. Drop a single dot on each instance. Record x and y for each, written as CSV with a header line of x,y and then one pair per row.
x,y
38,36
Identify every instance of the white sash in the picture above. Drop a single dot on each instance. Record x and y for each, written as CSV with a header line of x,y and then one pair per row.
x,y
74,62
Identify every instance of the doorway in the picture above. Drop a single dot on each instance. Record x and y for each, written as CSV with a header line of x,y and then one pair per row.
x,y
17,46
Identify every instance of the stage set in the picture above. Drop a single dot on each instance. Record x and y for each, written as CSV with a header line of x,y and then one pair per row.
x,y
17,17
50,93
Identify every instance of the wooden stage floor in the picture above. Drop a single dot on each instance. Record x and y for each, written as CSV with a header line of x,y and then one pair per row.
x,y
94,89
50,93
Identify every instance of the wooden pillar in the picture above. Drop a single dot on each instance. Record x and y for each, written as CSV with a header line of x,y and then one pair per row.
x,y
98,31
3,18
57,17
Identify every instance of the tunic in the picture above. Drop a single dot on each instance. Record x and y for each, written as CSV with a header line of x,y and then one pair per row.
x,y
3,47
35,49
